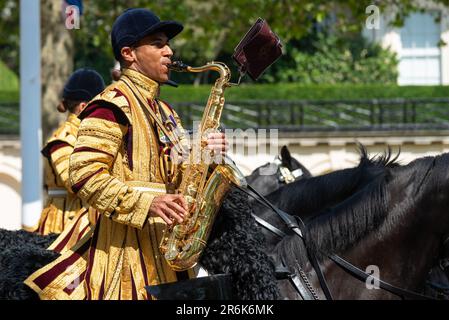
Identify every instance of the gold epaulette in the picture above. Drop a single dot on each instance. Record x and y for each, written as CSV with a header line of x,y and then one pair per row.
x,y
111,96
67,132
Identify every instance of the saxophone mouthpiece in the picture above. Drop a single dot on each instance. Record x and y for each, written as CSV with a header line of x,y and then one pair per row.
x,y
178,66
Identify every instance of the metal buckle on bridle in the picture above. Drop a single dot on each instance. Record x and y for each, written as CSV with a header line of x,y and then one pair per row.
x,y
285,175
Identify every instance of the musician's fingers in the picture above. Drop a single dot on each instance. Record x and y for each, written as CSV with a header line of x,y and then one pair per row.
x,y
177,208
216,136
218,147
179,198
165,218
172,214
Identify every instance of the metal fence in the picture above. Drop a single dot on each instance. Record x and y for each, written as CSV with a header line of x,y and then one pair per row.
x,y
305,115
325,115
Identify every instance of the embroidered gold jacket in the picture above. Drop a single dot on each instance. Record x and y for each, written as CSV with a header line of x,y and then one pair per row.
x,y
117,151
122,155
61,204
57,167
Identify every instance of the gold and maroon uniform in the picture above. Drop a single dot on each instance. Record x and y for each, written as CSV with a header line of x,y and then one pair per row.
x,y
116,168
62,204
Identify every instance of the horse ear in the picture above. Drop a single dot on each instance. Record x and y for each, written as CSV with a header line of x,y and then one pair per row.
x,y
286,157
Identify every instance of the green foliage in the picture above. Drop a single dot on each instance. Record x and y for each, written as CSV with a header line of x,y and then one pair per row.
x,y
8,79
9,29
331,59
293,91
289,91
212,28
9,96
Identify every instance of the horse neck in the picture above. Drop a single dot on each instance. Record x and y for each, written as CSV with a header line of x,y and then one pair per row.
x,y
307,198
405,244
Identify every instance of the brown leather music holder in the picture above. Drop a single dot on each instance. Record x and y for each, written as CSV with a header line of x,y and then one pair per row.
x,y
259,49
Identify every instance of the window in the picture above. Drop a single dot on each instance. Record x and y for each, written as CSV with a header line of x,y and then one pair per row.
x,y
420,56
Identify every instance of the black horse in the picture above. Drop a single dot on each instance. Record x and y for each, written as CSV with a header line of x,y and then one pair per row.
x,y
383,215
236,240
22,253
307,198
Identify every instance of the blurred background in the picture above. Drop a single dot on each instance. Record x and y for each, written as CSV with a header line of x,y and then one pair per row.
x,y
374,72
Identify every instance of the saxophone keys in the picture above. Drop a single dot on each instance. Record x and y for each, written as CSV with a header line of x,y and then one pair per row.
x,y
187,246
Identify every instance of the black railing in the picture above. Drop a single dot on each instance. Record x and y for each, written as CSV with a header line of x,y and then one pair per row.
x,y
326,115
305,115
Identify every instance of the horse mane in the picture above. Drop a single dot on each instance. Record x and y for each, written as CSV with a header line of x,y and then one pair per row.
x,y
342,226
339,227
386,159
310,194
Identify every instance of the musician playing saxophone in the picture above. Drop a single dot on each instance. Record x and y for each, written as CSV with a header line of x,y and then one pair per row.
x,y
119,167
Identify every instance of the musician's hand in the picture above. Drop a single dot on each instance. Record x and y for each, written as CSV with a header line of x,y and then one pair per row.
x,y
217,142
169,207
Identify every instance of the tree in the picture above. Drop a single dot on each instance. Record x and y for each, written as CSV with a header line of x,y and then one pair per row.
x,y
214,27
9,40
57,62
211,27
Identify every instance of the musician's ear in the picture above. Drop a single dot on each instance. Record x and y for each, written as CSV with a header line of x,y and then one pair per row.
x,y
128,55
79,108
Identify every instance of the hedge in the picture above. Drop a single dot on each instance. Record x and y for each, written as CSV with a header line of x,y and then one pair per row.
x,y
291,91
8,79
9,96
190,93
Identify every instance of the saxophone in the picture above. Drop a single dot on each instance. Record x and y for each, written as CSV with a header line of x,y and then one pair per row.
x,y
204,191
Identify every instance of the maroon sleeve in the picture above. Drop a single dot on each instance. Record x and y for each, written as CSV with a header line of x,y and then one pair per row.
x,y
105,111
52,147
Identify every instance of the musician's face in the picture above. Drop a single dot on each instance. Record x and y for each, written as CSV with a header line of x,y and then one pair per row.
x,y
151,55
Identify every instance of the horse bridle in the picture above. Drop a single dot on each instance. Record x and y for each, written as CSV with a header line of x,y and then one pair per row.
x,y
298,227
285,175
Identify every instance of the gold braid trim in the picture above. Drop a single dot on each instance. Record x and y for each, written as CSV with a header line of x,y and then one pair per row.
x,y
68,131
149,86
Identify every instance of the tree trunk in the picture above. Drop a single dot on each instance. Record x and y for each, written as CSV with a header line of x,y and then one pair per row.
x,y
57,62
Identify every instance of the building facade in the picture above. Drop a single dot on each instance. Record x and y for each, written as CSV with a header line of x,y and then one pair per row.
x,y
421,44
10,184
